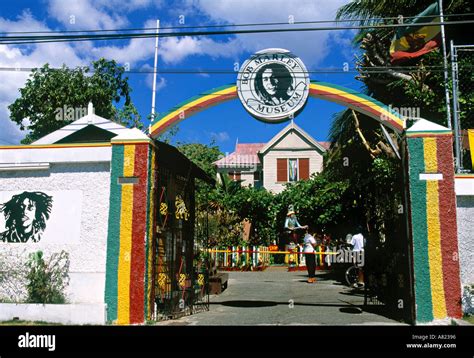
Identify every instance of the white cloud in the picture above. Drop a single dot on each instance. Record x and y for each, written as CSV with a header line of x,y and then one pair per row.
x,y
160,81
220,136
311,46
84,14
26,57
174,50
96,14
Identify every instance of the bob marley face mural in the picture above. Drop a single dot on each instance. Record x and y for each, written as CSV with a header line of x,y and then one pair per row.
x,y
26,215
273,85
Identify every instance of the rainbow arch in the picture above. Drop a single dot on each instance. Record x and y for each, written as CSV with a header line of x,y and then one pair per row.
x,y
327,91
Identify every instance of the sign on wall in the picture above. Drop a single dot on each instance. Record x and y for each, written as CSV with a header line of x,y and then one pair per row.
x,y
273,85
40,216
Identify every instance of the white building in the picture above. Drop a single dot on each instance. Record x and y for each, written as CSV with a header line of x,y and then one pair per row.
x,y
289,156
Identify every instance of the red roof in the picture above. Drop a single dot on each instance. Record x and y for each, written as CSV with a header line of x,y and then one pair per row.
x,y
325,145
245,155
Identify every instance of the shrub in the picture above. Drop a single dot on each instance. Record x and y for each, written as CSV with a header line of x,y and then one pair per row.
x,y
47,280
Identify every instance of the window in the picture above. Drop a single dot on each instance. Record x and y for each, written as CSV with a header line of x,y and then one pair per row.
x,y
235,176
293,169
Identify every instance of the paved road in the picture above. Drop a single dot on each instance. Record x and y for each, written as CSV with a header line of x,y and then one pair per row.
x,y
278,297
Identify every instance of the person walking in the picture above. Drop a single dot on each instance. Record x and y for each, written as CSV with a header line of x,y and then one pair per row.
x,y
309,243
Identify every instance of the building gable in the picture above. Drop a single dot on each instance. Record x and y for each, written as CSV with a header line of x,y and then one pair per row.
x,y
292,137
292,140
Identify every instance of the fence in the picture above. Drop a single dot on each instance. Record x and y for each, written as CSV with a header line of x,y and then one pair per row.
x,y
258,257
462,58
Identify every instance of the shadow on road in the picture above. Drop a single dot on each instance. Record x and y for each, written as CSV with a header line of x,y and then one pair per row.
x,y
256,303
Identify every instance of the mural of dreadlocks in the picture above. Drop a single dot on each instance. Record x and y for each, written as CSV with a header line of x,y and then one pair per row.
x,y
25,216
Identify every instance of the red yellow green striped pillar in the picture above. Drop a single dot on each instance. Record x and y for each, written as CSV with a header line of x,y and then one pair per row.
x,y
433,222
128,285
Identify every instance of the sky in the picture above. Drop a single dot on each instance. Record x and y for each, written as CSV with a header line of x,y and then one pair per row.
x,y
223,124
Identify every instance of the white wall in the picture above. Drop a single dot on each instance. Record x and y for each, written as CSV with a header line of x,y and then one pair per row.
x,y
246,176
270,166
88,253
465,219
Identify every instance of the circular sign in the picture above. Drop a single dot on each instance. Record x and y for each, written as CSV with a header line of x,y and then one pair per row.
x,y
273,85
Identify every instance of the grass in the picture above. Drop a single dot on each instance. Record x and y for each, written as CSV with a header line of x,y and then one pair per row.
x,y
469,319
17,322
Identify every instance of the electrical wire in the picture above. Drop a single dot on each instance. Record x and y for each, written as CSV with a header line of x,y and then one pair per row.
x,y
232,25
368,70
18,40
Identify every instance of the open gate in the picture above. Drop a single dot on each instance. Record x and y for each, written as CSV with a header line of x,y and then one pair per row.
x,y
180,274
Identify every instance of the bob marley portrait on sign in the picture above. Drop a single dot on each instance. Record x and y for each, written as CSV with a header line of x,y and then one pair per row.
x,y
273,85
26,215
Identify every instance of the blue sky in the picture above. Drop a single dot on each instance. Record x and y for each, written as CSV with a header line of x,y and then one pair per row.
x,y
223,123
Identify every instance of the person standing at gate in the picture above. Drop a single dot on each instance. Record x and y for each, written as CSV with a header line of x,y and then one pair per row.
x,y
309,243
292,224
357,242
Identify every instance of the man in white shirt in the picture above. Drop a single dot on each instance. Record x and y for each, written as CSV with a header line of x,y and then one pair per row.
x,y
357,243
309,243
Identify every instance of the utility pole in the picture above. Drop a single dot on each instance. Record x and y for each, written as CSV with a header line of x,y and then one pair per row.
x,y
154,72
446,77
457,141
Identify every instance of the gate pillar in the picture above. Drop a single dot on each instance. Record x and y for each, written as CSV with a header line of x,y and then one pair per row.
x,y
433,226
128,281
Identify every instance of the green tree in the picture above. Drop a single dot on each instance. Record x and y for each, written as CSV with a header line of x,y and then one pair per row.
x,y
48,92
360,154
415,83
202,155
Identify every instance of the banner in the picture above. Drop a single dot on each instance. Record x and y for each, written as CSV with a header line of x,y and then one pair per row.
x,y
413,41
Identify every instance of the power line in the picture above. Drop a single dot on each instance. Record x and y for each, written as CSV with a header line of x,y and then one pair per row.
x,y
375,69
365,20
18,40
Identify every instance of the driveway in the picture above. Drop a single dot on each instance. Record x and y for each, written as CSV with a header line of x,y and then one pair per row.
x,y
278,297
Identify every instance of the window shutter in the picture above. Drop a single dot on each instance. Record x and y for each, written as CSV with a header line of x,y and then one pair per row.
x,y
282,170
304,168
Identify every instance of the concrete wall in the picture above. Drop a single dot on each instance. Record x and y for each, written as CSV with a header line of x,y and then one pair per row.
x,y
88,254
464,185
465,215
270,165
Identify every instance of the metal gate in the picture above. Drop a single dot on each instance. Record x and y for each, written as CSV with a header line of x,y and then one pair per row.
x,y
388,270
462,58
181,280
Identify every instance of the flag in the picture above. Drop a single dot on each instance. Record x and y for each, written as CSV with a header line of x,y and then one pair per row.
x,y
413,41
470,133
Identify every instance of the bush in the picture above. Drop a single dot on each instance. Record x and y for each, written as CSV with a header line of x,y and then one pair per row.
x,y
47,280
